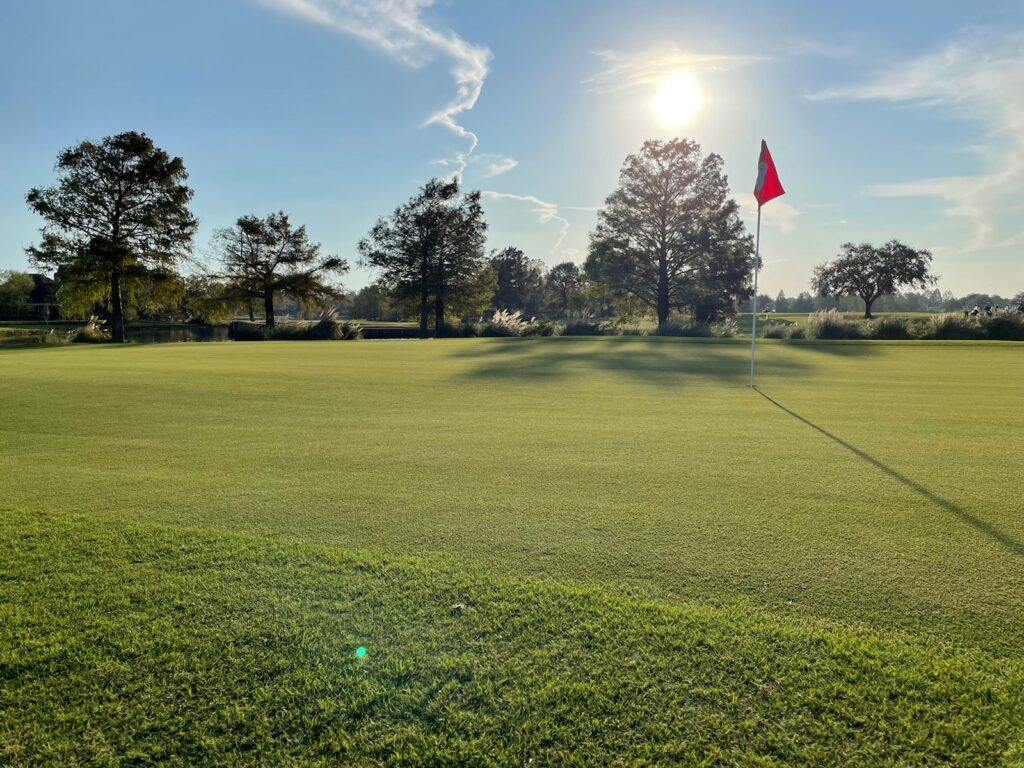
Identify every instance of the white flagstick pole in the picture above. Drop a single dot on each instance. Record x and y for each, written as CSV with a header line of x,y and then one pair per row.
x,y
757,269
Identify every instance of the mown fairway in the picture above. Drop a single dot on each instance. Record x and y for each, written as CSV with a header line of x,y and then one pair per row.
x,y
657,563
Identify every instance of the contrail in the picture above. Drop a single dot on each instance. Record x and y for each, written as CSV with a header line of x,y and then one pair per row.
x,y
396,27
545,212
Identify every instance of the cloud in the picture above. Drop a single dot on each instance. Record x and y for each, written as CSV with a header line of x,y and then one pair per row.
x,y
397,28
624,71
494,165
778,215
546,213
979,78
490,165
801,46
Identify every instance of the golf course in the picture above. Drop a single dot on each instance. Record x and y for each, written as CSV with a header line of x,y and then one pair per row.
x,y
491,551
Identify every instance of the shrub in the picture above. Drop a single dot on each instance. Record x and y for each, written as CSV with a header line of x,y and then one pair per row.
x,y
776,331
796,332
634,330
890,327
351,331
460,330
542,328
242,331
327,328
1004,327
506,323
689,329
588,328
91,333
953,326
832,325
728,328
492,330
287,331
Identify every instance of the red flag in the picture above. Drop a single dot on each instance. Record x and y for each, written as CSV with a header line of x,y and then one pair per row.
x,y
768,186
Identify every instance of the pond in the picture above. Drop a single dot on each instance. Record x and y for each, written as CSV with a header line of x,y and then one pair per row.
x,y
158,335
136,335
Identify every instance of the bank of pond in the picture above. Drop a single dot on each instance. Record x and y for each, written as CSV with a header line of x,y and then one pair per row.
x,y
831,325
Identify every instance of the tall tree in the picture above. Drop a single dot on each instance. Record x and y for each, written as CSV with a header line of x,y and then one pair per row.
x,y
670,235
460,273
520,281
118,212
430,248
563,284
368,303
15,292
869,272
269,257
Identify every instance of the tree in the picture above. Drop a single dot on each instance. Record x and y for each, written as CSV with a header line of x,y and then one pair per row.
x,y
15,292
804,302
869,272
264,258
368,303
432,247
563,284
206,299
119,212
670,235
519,280
472,297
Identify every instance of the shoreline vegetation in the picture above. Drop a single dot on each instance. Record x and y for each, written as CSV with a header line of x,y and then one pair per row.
x,y
816,326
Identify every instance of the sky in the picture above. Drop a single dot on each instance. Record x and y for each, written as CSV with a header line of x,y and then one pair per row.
x,y
885,119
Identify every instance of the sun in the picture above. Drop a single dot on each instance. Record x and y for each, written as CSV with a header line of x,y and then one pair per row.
x,y
678,99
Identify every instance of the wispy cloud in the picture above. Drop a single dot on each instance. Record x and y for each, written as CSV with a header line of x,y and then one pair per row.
x,y
818,49
546,213
779,215
979,78
397,27
500,166
489,165
494,165
624,71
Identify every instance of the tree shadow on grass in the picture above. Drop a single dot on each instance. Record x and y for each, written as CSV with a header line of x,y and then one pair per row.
x,y
1010,544
651,360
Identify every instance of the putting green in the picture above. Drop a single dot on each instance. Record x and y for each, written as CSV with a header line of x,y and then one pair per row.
x,y
868,487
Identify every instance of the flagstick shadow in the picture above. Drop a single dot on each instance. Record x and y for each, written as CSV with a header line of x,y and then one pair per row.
x,y
1007,542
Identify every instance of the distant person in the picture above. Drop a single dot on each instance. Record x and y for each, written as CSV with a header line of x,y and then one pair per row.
x,y
975,312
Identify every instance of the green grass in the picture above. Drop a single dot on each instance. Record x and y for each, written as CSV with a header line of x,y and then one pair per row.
x,y
659,564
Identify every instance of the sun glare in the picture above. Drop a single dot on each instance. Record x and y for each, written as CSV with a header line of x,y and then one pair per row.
x,y
678,99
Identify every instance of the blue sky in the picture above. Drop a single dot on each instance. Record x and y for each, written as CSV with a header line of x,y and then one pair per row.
x,y
885,119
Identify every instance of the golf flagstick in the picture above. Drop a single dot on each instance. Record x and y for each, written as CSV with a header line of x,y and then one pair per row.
x,y
757,269
767,187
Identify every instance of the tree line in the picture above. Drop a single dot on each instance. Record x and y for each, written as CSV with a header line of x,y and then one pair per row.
x,y
118,229
118,234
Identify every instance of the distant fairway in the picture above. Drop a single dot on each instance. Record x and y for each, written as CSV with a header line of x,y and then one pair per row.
x,y
655,559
